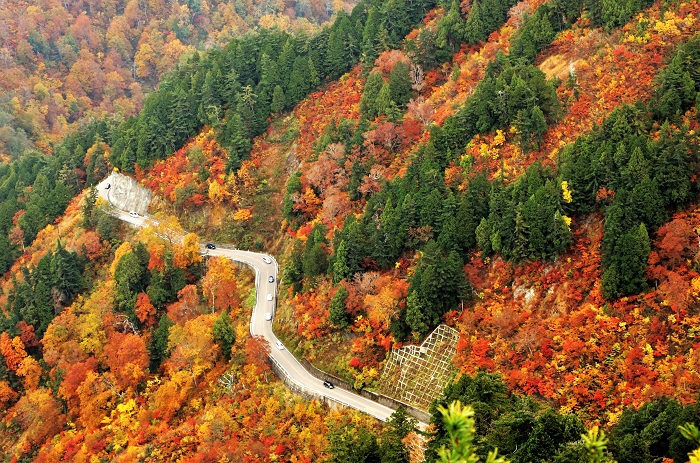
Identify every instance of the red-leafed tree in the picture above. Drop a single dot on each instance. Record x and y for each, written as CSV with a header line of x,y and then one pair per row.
x,y
127,359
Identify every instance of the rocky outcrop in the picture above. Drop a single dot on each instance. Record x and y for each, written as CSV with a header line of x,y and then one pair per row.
x,y
126,194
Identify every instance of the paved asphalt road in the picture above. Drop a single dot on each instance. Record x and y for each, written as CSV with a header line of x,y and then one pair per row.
x,y
261,327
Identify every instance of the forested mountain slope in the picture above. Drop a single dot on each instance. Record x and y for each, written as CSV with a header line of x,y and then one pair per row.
x,y
93,315
149,358
526,173
63,63
484,202
69,66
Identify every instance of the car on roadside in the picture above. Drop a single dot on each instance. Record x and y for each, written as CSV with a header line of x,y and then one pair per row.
x,y
328,384
271,279
268,316
267,260
279,345
134,214
210,246
109,185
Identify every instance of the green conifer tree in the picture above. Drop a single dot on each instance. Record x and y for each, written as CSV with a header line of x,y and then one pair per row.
x,y
159,342
224,334
278,100
400,84
314,77
451,29
369,37
337,314
368,102
129,277
299,84
66,273
340,265
338,54
383,103
474,28
88,208
391,447
625,274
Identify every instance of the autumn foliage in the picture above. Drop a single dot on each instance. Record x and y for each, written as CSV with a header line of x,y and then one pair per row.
x,y
152,359
62,63
545,326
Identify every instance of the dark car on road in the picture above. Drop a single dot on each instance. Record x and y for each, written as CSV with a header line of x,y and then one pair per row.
x,y
328,384
210,246
271,279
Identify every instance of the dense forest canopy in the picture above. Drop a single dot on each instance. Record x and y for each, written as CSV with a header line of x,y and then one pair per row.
x,y
64,63
526,173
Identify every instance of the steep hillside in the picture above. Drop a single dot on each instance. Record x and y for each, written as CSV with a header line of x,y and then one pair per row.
x,y
351,161
149,357
125,347
224,89
63,63
588,96
525,173
83,69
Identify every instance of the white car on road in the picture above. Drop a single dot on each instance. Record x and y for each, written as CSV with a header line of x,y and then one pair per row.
x,y
279,344
134,214
267,260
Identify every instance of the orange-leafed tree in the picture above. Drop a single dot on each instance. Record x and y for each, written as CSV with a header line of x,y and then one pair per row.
x,y
388,300
187,305
257,351
242,215
38,416
192,346
127,358
171,394
187,253
13,351
676,241
61,340
7,394
96,394
219,284
27,335
89,245
30,372
157,257
74,376
145,311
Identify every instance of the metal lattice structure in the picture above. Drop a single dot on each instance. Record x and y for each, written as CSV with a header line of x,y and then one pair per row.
x,y
416,375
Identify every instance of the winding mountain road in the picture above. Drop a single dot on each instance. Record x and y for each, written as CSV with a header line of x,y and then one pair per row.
x,y
266,267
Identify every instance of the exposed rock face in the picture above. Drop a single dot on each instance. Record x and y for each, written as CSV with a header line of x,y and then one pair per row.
x,y
125,193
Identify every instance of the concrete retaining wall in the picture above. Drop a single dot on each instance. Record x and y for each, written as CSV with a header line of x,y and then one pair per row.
x,y
301,391
418,414
294,387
